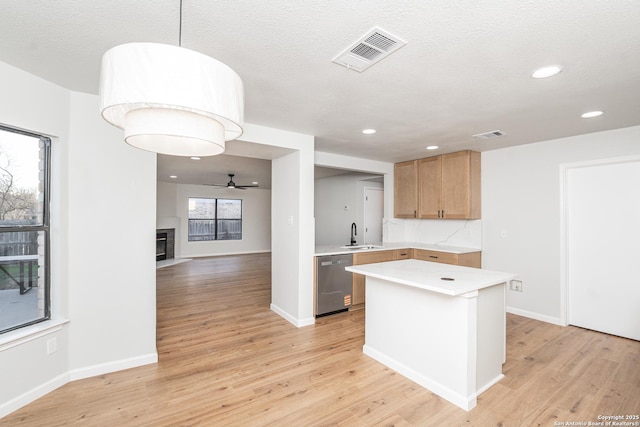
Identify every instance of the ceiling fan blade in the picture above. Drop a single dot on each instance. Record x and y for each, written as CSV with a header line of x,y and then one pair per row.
x,y
232,185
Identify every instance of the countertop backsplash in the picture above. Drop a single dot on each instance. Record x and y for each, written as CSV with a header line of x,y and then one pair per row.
x,y
463,233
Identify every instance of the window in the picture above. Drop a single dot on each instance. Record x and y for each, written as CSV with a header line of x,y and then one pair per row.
x,y
24,229
215,219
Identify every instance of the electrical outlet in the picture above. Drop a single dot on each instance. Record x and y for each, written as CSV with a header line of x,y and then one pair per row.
x,y
52,345
515,285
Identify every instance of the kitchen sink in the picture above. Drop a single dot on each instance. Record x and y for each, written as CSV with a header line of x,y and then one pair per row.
x,y
360,247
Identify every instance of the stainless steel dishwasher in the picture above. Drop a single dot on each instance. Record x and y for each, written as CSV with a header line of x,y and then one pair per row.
x,y
334,284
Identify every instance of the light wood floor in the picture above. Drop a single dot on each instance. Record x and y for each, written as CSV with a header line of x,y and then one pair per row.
x,y
226,360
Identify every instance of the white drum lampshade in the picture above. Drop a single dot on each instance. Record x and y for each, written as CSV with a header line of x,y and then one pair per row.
x,y
171,100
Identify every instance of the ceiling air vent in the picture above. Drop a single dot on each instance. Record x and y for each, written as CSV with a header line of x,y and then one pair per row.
x,y
488,135
369,49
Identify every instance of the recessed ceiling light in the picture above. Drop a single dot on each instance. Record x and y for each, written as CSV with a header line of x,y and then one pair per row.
x,y
432,147
172,176
548,71
369,131
195,158
591,114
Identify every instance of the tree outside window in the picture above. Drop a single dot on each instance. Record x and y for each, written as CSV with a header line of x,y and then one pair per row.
x,y
24,229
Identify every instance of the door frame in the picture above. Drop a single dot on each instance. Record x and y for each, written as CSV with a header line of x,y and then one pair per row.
x,y
564,238
364,208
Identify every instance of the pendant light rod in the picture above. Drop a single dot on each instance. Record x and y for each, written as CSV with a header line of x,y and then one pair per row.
x,y
180,27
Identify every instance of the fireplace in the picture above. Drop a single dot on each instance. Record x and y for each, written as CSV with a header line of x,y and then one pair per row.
x,y
165,242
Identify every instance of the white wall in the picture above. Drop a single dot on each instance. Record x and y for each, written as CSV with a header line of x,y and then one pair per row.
x,y
357,164
292,225
112,211
368,166
284,299
167,210
333,221
31,103
103,199
521,213
173,202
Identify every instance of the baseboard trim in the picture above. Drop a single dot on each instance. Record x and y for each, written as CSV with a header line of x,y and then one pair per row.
x,y
261,251
76,374
33,394
118,365
465,402
535,316
298,323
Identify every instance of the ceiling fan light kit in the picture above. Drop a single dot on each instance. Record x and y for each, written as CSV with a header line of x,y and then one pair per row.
x,y
171,100
233,185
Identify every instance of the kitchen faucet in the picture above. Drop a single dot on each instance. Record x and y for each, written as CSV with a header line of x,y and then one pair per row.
x,y
354,232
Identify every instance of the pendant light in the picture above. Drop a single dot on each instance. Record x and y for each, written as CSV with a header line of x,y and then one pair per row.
x,y
171,100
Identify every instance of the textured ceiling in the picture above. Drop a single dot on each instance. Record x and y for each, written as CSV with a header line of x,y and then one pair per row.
x,y
465,69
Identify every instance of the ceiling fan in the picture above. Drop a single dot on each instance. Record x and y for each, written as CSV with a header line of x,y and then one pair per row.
x,y
233,185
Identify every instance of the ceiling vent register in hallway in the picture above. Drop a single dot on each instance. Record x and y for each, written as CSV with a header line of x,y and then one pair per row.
x,y
369,49
487,135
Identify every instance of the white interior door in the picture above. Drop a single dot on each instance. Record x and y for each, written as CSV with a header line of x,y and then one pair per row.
x,y
603,255
373,213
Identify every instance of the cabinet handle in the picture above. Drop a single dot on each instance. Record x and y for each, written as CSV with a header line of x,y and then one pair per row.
x,y
415,214
433,256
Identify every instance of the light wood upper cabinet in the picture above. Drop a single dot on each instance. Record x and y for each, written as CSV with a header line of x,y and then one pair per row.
x,y
405,189
460,194
446,186
429,187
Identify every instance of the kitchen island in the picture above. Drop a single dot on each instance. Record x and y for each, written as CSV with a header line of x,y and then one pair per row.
x,y
442,326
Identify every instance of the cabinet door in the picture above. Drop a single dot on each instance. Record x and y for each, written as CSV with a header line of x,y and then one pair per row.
x,y
471,259
435,256
405,189
373,257
461,185
404,254
358,280
358,289
429,187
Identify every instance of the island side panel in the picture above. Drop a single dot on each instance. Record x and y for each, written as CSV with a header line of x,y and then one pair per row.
x,y
426,336
491,353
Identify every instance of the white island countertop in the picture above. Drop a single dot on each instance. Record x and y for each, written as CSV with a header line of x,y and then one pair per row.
x,y
433,276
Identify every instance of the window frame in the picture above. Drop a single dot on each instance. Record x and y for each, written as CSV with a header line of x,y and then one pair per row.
x,y
215,220
45,227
